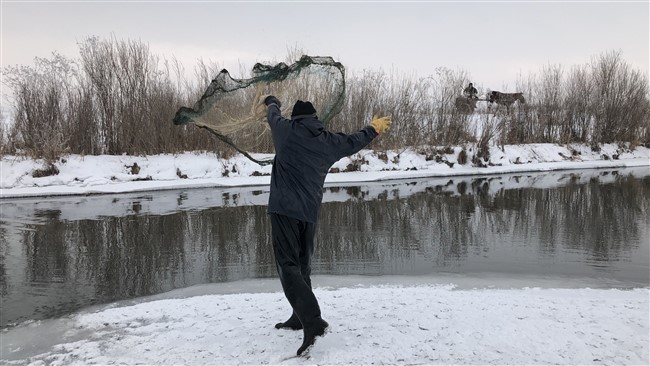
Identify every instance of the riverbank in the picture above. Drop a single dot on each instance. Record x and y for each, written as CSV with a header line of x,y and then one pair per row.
x,y
84,175
435,319
382,324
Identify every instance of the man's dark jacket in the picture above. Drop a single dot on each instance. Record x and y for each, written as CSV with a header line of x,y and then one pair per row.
x,y
304,153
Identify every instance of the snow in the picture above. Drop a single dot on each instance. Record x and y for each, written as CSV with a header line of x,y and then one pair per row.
x,y
82,175
380,324
389,321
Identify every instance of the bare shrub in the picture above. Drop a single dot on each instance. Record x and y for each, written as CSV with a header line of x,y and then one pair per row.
x,y
488,135
422,109
518,124
120,98
363,100
42,96
644,133
450,127
409,106
619,100
551,99
4,134
605,101
577,119
127,85
116,99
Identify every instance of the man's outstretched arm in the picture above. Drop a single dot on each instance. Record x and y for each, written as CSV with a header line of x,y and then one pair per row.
x,y
352,143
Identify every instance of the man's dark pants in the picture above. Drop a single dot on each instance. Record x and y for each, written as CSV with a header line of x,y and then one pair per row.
x,y
293,246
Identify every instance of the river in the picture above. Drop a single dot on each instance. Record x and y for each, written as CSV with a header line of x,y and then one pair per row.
x,y
62,254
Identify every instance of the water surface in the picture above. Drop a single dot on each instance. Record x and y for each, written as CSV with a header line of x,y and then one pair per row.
x,y
62,254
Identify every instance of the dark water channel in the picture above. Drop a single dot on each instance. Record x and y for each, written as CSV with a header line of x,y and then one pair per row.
x,y
58,255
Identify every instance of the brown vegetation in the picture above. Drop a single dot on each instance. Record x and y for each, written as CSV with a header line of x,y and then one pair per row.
x,y
120,98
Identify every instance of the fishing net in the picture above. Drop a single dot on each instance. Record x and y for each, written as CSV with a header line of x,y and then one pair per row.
x,y
231,110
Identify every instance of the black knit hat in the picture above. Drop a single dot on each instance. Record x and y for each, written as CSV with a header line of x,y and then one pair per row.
x,y
302,108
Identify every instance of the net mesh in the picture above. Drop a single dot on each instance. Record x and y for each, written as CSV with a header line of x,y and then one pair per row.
x,y
231,110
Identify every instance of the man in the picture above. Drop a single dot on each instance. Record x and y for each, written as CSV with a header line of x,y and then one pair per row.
x,y
304,153
470,92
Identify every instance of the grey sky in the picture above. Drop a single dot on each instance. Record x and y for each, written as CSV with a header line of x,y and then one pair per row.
x,y
492,41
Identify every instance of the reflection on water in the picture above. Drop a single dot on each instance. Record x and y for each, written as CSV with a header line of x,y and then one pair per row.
x,y
61,254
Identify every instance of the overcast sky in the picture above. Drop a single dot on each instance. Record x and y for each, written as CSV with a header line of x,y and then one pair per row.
x,y
492,41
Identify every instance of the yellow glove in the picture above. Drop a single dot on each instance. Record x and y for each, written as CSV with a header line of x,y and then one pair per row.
x,y
381,124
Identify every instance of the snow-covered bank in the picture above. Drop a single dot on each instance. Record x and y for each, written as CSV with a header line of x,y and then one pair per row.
x,y
389,324
429,322
118,174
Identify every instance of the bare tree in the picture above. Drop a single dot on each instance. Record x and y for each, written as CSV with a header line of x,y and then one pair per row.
x,y
577,123
551,100
118,98
619,99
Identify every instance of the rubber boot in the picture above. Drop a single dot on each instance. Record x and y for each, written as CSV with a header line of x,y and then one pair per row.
x,y
310,332
292,323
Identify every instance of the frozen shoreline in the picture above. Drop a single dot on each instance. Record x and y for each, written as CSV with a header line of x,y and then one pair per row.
x,y
79,175
384,324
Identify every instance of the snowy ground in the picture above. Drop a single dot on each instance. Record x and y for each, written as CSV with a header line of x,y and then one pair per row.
x,y
393,323
114,174
384,324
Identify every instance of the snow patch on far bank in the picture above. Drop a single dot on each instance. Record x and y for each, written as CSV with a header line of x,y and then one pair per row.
x,y
117,174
